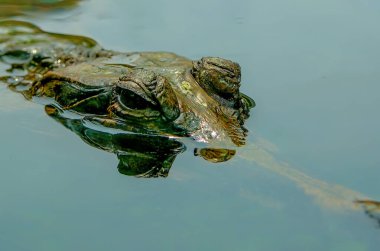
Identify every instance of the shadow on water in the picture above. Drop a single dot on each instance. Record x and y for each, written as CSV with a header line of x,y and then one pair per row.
x,y
371,209
141,153
11,8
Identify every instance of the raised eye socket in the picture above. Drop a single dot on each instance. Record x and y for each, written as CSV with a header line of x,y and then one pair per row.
x,y
132,100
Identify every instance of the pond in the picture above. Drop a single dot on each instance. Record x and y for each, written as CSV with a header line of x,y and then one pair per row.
x,y
311,66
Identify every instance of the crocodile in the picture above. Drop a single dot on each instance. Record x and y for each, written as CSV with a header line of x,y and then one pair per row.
x,y
146,93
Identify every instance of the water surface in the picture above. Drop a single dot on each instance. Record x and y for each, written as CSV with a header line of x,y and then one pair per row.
x,y
312,68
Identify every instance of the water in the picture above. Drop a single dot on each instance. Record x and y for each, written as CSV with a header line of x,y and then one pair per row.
x,y
312,68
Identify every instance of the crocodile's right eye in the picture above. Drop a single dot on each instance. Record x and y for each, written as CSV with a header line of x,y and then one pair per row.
x,y
218,76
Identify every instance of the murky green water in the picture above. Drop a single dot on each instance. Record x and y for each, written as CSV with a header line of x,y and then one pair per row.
x,y
313,69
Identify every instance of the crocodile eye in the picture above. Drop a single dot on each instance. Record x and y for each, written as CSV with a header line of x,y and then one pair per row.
x,y
132,100
218,76
143,93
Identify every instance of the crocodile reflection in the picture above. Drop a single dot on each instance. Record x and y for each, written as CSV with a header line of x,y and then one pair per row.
x,y
140,155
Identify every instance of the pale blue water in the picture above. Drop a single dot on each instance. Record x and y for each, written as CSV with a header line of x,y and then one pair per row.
x,y
313,69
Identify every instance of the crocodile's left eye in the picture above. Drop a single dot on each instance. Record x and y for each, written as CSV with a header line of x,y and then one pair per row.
x,y
131,100
144,94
